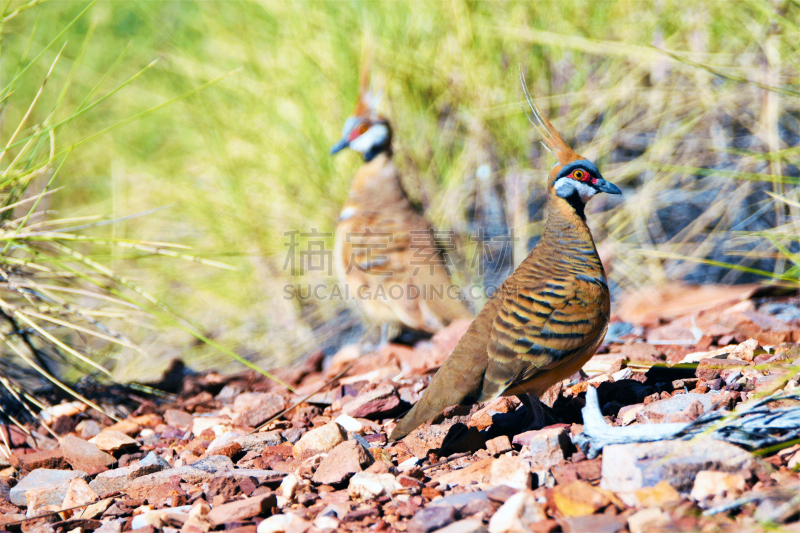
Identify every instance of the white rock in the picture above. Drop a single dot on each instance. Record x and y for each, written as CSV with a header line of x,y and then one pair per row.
x,y
647,519
366,485
709,483
289,485
350,424
320,439
408,464
218,424
518,511
281,523
78,493
49,414
512,471
625,373
464,526
326,523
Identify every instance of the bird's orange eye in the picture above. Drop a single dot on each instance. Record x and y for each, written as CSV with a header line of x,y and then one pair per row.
x,y
579,174
362,128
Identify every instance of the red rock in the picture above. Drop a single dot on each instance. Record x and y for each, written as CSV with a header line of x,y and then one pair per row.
x,y
52,459
242,510
641,352
82,455
498,445
709,369
449,435
177,418
342,461
483,418
268,406
380,402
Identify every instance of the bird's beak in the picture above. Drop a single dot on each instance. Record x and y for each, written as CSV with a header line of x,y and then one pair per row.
x,y
339,146
604,186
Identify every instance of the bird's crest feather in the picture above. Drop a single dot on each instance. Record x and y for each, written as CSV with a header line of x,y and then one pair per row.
x,y
552,141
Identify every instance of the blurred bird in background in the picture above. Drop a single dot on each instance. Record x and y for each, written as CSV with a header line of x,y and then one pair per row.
x,y
386,254
547,319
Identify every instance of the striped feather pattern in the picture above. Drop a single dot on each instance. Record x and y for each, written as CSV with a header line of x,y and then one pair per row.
x,y
382,245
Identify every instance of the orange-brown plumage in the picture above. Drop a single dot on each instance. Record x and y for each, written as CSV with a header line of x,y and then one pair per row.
x,y
386,253
548,318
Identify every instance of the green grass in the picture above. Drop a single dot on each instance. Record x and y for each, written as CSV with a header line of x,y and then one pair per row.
x,y
239,163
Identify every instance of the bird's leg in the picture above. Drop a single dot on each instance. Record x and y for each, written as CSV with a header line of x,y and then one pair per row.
x,y
536,417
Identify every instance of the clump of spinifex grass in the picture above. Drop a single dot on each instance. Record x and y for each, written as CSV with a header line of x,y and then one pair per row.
x,y
680,104
63,310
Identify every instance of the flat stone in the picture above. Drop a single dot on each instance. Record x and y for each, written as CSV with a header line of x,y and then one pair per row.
x,y
595,524
517,514
656,496
267,406
678,408
709,369
649,519
380,402
478,472
461,500
112,441
320,439
485,417
197,472
511,471
283,523
367,486
125,426
627,468
343,461
79,493
116,479
469,525
449,435
51,459
546,447
242,509
86,456
177,418
254,442
579,499
42,478
430,519
498,445
709,484
219,424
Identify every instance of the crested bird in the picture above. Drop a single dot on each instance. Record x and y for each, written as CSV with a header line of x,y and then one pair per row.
x,y
386,254
549,316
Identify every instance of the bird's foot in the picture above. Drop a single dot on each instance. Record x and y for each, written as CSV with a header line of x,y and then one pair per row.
x,y
535,416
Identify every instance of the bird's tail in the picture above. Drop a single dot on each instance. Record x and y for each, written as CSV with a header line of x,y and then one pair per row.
x,y
458,381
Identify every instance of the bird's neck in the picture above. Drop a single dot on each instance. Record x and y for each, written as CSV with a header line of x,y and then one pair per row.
x,y
377,183
566,228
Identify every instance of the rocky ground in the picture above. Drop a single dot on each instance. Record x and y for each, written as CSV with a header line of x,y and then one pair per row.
x,y
198,464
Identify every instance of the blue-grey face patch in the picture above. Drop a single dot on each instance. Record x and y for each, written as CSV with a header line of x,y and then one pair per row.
x,y
581,163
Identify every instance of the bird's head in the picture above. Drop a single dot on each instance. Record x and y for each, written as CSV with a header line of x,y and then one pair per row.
x,y
365,131
573,177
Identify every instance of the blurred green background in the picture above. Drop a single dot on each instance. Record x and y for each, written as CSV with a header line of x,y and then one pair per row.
x,y
691,107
